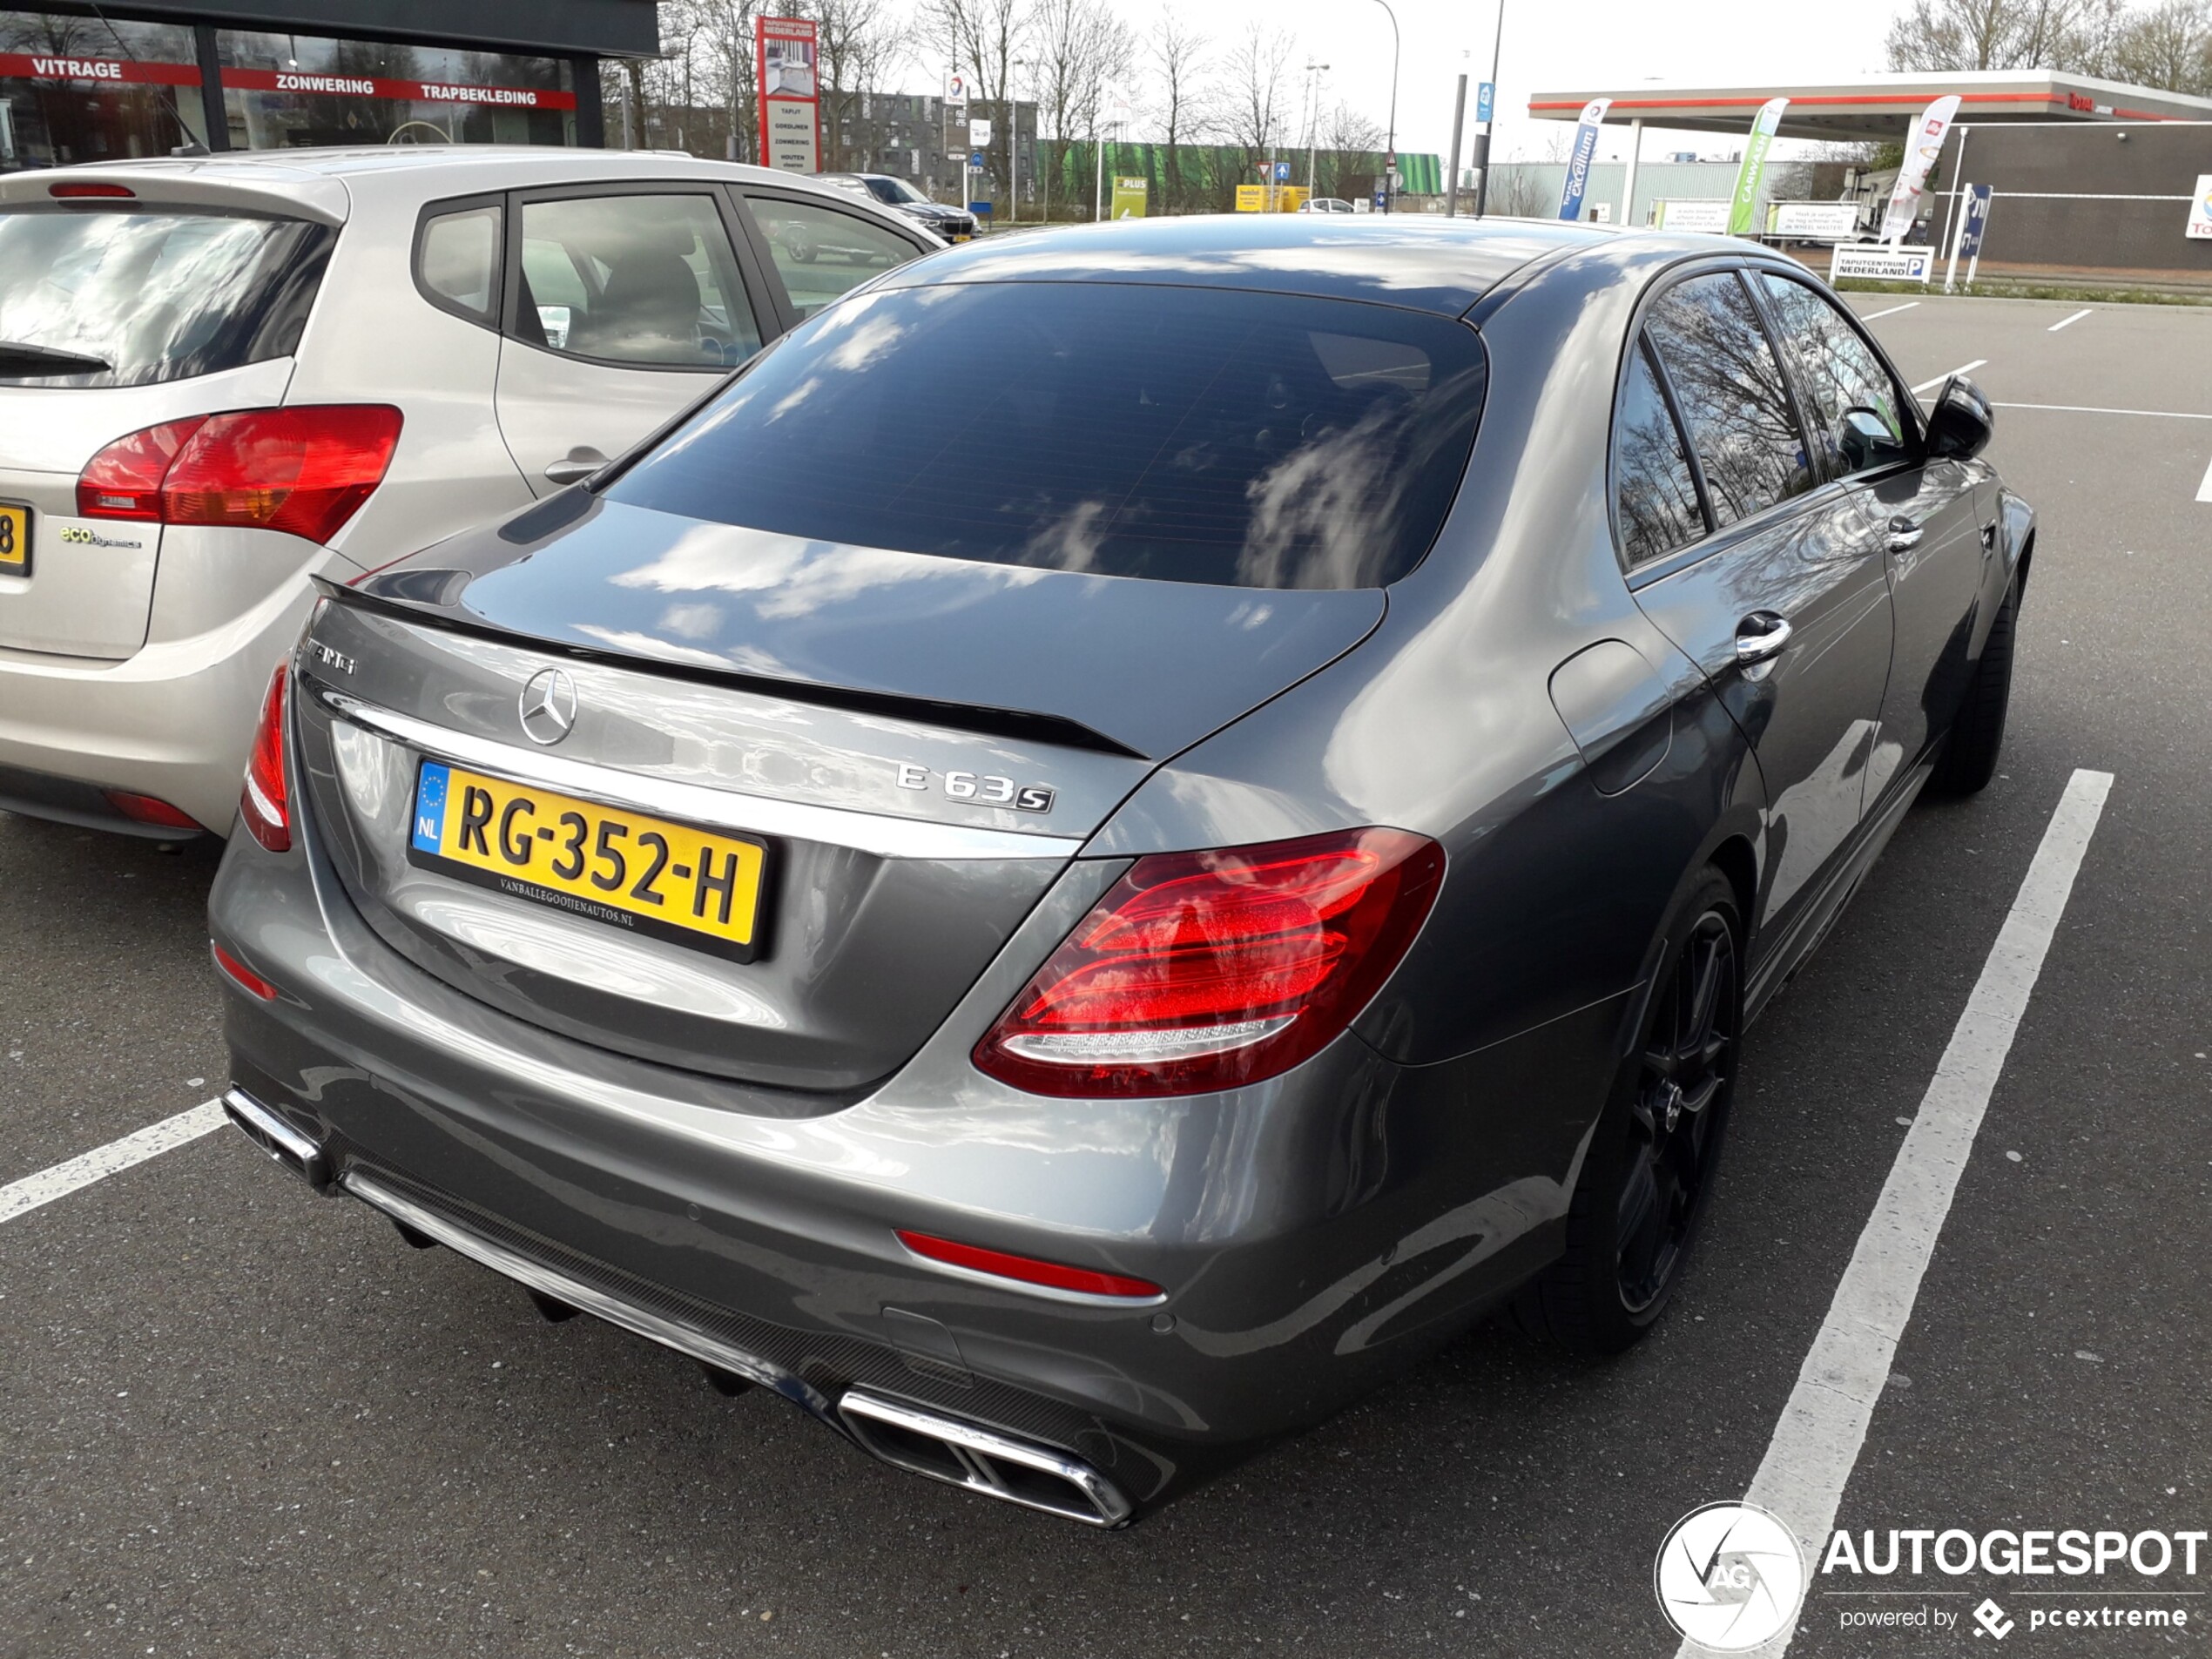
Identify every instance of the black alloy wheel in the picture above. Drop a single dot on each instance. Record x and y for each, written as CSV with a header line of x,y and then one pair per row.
x,y
1654,1151
1688,1062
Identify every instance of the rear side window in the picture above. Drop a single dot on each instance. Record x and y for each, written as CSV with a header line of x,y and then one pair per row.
x,y
1186,434
1731,394
111,297
1654,491
820,253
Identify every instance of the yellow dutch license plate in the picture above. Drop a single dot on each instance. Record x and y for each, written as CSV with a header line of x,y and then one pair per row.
x,y
645,874
14,539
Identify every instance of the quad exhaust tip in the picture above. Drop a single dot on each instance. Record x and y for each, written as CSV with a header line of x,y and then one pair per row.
x,y
278,1138
982,1461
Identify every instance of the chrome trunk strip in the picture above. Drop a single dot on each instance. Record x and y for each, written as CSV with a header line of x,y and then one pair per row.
x,y
877,833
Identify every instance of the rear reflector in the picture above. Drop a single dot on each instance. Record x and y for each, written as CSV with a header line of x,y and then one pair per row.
x,y
265,805
303,470
1027,1270
69,191
244,976
144,809
1200,971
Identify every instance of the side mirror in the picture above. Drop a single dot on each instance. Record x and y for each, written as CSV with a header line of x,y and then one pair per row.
x,y
1960,423
1867,441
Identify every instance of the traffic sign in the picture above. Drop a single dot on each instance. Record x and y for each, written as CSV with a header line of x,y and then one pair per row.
x,y
1282,172
1485,95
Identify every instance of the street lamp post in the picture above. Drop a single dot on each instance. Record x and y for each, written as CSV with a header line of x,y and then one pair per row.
x,y
1313,73
1482,138
1390,161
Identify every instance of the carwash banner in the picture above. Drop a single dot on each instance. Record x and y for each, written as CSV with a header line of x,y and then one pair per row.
x,y
784,54
1578,163
1920,153
1743,204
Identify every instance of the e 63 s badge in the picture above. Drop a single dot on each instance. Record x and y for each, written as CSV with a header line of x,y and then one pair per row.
x,y
985,788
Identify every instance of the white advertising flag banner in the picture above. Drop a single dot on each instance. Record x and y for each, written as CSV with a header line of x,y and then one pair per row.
x,y
1920,153
2201,210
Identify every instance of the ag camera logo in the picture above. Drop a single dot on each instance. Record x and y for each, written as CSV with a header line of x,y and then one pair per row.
x,y
1730,1577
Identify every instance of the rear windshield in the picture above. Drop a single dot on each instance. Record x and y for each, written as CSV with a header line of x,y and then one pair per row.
x,y
107,298
1189,434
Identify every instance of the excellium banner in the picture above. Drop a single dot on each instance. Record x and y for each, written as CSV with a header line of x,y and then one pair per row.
x,y
1578,164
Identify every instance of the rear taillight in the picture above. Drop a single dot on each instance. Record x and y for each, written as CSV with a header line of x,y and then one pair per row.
x,y
1204,970
148,809
265,805
304,471
1028,1270
244,976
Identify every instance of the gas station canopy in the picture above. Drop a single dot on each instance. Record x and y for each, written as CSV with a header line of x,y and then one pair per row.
x,y
1880,106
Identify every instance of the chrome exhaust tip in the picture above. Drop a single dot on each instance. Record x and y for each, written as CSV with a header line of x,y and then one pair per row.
x,y
982,1461
278,1138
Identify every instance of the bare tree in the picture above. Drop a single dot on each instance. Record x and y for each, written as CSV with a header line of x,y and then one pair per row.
x,y
1936,35
1254,110
2169,46
863,45
1079,47
1348,142
982,38
1186,98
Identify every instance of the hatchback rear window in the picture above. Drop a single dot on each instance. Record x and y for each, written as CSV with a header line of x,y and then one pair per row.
x,y
111,297
1240,439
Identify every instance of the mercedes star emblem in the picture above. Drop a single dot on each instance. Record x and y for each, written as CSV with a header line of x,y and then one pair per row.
x,y
548,706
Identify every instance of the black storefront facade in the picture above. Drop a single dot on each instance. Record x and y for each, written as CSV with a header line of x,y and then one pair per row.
x,y
79,84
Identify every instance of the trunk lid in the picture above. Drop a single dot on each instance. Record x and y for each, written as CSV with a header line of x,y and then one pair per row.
x,y
919,746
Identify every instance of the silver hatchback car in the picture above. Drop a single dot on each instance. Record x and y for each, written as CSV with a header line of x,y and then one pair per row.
x,y
220,378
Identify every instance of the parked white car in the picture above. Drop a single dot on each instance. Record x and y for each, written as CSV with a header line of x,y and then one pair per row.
x,y
219,377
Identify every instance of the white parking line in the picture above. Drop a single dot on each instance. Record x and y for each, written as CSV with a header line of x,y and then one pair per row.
x,y
1876,316
2085,408
2063,322
2204,489
18,1197
1817,1443
1963,368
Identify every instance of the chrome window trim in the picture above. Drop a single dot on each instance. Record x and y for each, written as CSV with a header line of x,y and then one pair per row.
x,y
877,833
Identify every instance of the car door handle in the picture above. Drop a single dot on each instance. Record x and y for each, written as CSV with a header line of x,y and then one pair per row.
x,y
579,463
1760,638
1904,536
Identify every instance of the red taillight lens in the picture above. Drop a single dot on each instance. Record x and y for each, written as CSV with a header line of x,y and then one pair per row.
x,y
266,806
1027,1270
244,976
123,480
66,191
1204,970
147,809
304,471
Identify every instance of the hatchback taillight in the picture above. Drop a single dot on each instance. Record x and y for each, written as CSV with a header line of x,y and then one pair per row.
x,y
304,470
265,803
1205,970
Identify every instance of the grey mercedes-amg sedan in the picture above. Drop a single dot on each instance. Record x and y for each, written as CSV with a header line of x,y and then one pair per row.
x,y
1128,829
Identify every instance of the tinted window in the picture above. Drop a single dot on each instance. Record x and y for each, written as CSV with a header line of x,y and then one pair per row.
x,y
642,279
1252,440
1655,492
136,298
1731,394
821,253
458,260
1837,367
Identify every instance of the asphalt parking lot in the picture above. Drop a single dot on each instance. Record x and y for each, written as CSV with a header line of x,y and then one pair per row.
x,y
240,1421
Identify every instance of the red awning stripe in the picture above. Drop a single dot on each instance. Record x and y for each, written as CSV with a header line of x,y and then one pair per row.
x,y
1754,102
307,84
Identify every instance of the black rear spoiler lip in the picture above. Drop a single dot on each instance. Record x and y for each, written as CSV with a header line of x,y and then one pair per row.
x,y
1025,725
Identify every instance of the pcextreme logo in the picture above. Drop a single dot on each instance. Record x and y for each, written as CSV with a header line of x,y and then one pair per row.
x,y
1730,1577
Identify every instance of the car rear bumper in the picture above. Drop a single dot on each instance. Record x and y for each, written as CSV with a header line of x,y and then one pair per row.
x,y
1313,1235
172,721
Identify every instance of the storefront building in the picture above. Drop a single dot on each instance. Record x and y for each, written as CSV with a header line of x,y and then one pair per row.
x,y
146,79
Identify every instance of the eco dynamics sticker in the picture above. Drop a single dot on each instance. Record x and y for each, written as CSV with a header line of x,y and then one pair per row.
x,y
1730,1577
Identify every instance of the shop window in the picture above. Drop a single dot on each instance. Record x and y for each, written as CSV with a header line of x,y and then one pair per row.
x,y
78,89
285,91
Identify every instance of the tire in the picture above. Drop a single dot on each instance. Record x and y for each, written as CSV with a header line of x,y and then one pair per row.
x,y
1654,1154
1969,759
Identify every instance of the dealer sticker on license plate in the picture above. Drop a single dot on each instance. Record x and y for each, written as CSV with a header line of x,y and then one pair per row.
x,y
646,874
14,539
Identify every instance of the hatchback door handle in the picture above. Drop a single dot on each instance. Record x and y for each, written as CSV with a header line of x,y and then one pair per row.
x,y
1760,637
1904,536
579,463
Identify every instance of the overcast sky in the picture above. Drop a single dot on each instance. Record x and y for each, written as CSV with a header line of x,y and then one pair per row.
x,y
1550,45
